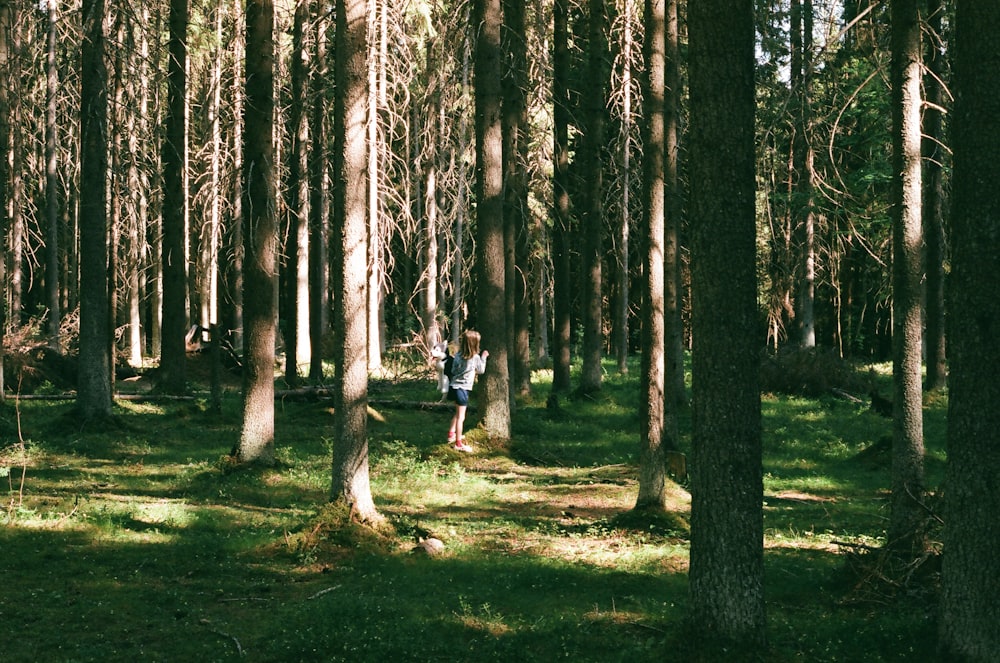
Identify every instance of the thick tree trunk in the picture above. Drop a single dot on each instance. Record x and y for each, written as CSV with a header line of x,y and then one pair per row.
x,y
350,479
907,515
256,444
727,557
173,352
515,130
970,611
491,310
94,382
652,468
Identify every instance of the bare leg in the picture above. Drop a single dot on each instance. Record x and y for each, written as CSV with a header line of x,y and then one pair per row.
x,y
458,421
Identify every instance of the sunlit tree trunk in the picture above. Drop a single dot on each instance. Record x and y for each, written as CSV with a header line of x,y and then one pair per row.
x,y
296,322
970,574
491,312
908,513
591,374
727,557
803,215
256,443
351,484
52,279
173,351
93,401
461,203
375,269
652,468
562,299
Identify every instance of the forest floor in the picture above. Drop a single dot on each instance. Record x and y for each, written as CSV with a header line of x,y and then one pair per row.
x,y
140,541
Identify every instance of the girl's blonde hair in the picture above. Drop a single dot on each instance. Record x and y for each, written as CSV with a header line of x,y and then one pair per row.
x,y
470,343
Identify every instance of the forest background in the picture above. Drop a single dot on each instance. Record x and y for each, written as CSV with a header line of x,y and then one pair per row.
x,y
369,179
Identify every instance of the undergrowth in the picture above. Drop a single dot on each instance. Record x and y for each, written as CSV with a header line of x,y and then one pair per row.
x,y
140,542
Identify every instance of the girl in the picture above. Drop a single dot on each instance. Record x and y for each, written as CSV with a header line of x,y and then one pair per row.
x,y
467,363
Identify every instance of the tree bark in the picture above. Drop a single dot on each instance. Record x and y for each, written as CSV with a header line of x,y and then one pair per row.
x,y
673,263
173,351
591,373
727,569
350,479
94,381
319,220
51,180
652,466
256,443
934,155
491,310
970,611
561,223
296,318
907,515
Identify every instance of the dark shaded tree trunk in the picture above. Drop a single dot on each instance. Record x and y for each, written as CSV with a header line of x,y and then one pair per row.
x,y
6,19
673,263
727,557
652,468
256,444
591,373
562,300
93,400
173,351
516,214
319,282
907,515
350,478
491,311
970,611
933,190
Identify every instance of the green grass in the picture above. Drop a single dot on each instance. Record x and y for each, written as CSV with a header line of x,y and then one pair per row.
x,y
140,542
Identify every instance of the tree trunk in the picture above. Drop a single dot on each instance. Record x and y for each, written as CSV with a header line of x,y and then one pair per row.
x,y
652,468
673,264
970,611
51,180
907,515
94,382
803,216
6,19
561,273
375,268
173,352
491,311
350,479
297,241
933,191
256,443
318,225
515,147
591,374
727,569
